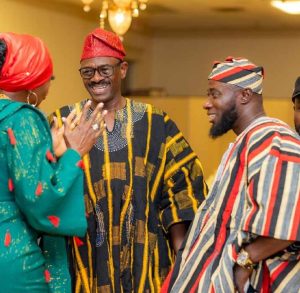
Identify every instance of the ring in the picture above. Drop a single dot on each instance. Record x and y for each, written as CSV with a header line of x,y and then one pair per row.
x,y
95,126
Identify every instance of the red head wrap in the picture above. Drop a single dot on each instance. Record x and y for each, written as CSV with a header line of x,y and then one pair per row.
x,y
27,65
102,43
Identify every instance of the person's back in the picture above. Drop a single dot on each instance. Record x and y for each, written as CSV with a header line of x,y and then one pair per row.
x,y
41,187
17,235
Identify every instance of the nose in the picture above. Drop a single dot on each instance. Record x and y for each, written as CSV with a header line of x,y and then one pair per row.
x,y
97,77
207,105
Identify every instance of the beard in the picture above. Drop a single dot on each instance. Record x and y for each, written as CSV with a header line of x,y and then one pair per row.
x,y
226,123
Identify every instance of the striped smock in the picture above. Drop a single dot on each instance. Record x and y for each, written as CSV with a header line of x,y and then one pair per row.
x,y
256,193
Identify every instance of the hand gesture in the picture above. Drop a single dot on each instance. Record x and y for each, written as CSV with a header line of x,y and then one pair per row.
x,y
82,135
59,145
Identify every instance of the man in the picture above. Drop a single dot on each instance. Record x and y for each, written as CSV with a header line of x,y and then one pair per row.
x,y
242,233
143,183
296,102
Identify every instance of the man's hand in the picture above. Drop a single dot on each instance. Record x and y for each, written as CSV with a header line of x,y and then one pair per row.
x,y
241,276
177,234
260,249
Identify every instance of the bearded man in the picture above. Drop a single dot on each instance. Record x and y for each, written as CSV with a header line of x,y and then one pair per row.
x,y
243,236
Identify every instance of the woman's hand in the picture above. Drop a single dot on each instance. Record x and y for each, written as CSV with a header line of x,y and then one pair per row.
x,y
59,145
81,133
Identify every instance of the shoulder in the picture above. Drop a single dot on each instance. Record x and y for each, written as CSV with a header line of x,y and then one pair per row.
x,y
18,113
272,131
30,118
145,107
268,126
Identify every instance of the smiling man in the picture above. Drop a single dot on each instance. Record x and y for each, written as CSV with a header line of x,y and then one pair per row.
x,y
143,183
243,236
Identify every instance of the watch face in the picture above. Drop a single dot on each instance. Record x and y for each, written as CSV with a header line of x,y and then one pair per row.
x,y
242,258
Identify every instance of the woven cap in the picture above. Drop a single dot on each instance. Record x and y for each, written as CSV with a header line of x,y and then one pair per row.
x,y
239,72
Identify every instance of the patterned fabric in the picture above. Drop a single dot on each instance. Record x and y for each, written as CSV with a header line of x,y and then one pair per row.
x,y
239,72
102,43
256,192
134,193
38,195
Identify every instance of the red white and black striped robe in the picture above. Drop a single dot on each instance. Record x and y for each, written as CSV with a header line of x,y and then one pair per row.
x,y
256,193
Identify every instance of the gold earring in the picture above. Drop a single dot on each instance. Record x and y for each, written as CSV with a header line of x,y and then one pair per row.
x,y
35,96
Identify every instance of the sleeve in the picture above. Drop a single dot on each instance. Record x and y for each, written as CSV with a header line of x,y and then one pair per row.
x,y
48,192
273,193
184,187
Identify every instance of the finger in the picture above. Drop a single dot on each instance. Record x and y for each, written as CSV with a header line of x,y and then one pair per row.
x,y
95,113
67,121
71,117
54,124
77,118
100,130
100,117
85,110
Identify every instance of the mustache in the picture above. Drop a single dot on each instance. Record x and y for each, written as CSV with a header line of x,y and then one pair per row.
x,y
102,82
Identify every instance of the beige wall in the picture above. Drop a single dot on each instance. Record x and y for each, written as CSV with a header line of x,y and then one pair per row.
x,y
190,117
62,33
180,64
63,29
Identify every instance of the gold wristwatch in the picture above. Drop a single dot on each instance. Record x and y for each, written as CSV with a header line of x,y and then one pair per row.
x,y
244,260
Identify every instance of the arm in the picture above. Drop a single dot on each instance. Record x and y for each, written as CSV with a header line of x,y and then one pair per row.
x,y
260,249
270,198
49,193
184,187
177,234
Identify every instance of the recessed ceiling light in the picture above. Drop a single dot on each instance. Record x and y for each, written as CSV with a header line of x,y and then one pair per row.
x,y
291,7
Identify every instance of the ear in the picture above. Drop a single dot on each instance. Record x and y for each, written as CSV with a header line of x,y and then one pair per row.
x,y
123,69
246,96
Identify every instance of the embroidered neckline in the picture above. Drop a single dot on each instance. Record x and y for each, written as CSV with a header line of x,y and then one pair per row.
x,y
117,137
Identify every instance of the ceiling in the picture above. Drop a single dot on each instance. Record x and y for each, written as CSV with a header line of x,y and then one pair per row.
x,y
165,17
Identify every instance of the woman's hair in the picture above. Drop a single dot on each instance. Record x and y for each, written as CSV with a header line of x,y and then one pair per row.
x,y
3,50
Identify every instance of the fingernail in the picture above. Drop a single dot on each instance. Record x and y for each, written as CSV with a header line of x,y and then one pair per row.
x,y
104,112
63,119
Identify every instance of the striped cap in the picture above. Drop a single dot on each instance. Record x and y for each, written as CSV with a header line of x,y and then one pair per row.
x,y
240,72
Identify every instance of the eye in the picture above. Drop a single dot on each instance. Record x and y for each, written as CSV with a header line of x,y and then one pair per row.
x,y
106,70
88,71
213,94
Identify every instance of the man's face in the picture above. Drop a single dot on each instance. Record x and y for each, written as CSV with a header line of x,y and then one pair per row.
x,y
103,84
221,107
297,114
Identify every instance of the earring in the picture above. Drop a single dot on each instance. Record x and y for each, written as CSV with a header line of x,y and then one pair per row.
x,y
35,96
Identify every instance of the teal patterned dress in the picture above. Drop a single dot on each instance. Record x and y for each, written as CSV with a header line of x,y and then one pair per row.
x,y
41,201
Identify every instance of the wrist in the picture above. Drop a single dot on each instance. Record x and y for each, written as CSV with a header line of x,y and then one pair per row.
x,y
244,260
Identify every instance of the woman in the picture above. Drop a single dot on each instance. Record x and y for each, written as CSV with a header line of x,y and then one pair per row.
x,y
41,187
